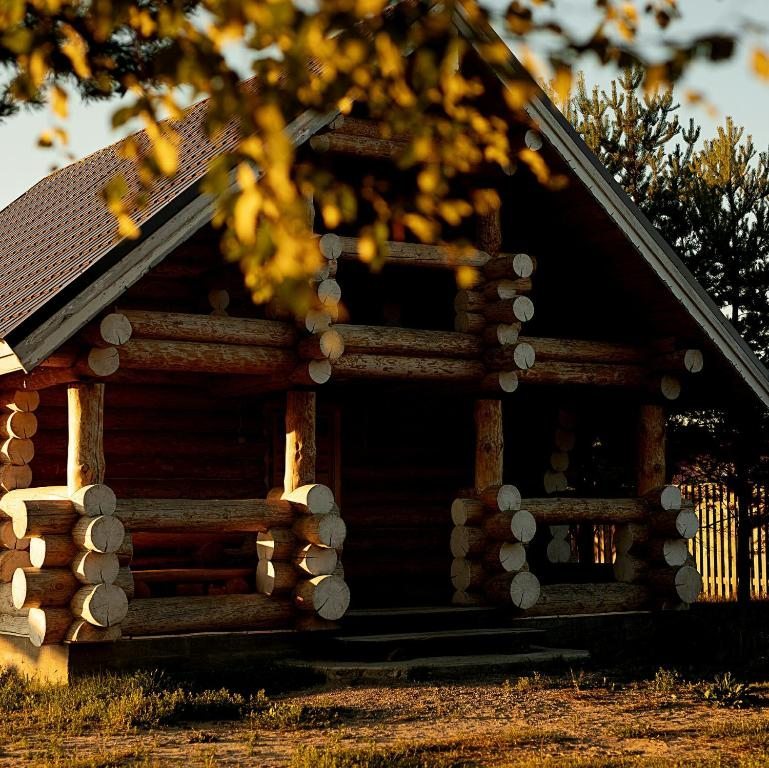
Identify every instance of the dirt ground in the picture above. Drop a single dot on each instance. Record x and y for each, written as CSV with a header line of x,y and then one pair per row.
x,y
586,720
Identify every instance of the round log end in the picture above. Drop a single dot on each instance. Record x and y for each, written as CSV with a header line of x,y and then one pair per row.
x,y
512,556
331,344
523,308
523,526
115,328
103,605
670,387
524,356
508,381
688,584
94,500
103,362
687,523
675,552
319,371
19,588
693,360
524,590
330,245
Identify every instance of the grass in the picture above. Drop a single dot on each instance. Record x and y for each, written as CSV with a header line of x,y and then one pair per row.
x,y
116,704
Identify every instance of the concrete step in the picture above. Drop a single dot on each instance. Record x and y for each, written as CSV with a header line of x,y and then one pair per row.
x,y
376,621
408,645
439,667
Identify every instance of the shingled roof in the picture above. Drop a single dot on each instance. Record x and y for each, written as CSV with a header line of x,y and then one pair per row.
x,y
61,227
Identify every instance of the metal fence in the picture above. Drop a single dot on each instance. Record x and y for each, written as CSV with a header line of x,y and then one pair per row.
x,y
715,546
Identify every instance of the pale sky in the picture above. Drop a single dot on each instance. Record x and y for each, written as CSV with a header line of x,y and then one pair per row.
x,y
730,87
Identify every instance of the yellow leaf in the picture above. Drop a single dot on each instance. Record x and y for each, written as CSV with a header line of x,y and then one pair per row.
x,y
562,84
166,155
761,63
75,49
332,216
536,165
366,248
421,226
59,102
467,277
126,227
246,211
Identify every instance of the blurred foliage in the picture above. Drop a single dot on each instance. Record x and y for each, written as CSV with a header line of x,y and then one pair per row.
x,y
402,63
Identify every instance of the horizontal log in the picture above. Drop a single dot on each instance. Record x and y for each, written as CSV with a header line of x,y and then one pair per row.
x,y
277,544
275,577
517,310
172,326
501,334
214,516
684,584
327,344
503,498
518,356
90,500
516,526
312,499
37,517
467,511
571,599
506,556
159,616
470,322
12,559
566,510
581,351
467,541
52,551
205,357
353,366
420,255
406,341
48,626
509,265
324,530
171,575
315,560
467,574
674,523
359,146
496,290
592,374
81,631
469,301
36,587
683,361
194,541
522,589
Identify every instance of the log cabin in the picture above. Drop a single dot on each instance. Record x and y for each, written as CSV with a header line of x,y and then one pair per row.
x,y
177,459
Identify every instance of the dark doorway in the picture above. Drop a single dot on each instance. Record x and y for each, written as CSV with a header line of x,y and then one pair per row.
x,y
404,456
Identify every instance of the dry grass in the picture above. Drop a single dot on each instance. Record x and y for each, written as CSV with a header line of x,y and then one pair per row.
x,y
572,721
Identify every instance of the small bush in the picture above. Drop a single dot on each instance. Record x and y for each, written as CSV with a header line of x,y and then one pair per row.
x,y
726,691
665,681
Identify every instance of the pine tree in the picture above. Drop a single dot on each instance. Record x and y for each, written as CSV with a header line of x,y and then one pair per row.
x,y
712,205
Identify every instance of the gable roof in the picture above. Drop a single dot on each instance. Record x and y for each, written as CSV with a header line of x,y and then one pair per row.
x,y
67,266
